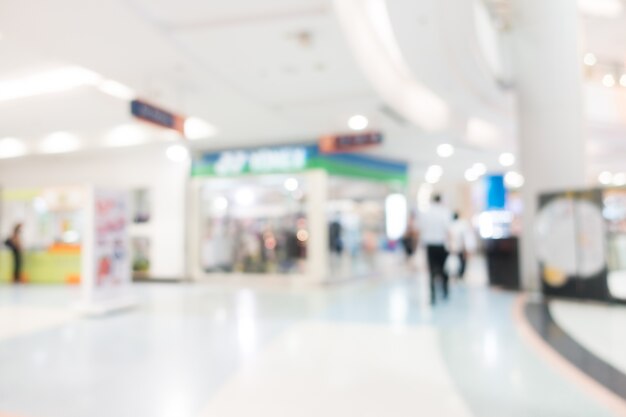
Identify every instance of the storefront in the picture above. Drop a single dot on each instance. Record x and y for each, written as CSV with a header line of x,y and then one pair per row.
x,y
53,222
289,211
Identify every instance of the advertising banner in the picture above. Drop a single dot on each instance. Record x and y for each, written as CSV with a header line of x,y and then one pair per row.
x,y
106,260
297,158
571,244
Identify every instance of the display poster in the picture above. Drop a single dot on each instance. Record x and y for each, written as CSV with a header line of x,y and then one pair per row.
x,y
106,262
571,244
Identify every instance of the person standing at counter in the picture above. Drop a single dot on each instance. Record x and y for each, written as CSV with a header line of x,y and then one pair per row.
x,y
14,243
434,226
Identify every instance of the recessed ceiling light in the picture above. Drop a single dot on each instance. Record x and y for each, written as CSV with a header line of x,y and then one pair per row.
x,y
445,150
590,59
177,153
507,159
358,122
433,174
60,142
513,179
196,128
479,169
605,178
471,175
12,148
54,81
608,80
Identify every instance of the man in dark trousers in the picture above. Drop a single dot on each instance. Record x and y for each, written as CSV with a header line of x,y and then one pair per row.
x,y
434,228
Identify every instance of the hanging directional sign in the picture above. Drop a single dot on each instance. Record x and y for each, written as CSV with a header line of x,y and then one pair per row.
x,y
349,142
158,116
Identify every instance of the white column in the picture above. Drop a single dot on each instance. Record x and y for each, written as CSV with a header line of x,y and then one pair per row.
x,y
317,198
546,58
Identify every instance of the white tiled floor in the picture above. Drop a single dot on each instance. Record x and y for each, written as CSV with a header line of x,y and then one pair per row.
x,y
600,328
367,348
321,369
23,320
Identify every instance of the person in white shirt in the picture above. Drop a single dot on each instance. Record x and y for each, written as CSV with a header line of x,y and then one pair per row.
x,y
434,229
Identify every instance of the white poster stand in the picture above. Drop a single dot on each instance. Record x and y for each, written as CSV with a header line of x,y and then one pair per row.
x,y
106,261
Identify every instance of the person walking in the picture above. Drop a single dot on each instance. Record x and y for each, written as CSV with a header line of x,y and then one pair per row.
x,y
434,228
14,243
458,245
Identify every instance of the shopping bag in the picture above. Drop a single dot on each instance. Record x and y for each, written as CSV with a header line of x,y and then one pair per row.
x,y
453,264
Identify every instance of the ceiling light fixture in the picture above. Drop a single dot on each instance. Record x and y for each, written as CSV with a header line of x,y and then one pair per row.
x,y
506,159
177,153
196,128
433,174
59,142
54,81
513,179
590,59
471,175
605,178
608,80
445,150
479,168
117,90
12,148
358,122
622,80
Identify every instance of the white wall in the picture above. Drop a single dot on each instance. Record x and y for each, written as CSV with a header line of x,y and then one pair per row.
x,y
139,167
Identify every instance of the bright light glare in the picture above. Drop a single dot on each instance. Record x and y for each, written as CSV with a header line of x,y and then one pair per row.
x,y
622,80
513,179
590,59
177,153
220,203
471,175
445,150
117,90
608,80
601,8
433,174
54,81
619,179
126,135
358,122
291,184
507,159
244,197
196,128
59,142
605,178
11,148
395,216
479,169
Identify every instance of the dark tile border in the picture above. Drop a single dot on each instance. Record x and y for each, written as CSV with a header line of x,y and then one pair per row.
x,y
539,317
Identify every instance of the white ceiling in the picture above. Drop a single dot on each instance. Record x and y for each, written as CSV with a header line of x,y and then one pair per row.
x,y
261,71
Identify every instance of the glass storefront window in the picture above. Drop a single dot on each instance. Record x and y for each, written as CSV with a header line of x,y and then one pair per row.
x,y
254,225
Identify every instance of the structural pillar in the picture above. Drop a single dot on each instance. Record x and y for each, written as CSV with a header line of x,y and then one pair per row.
x,y
548,77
